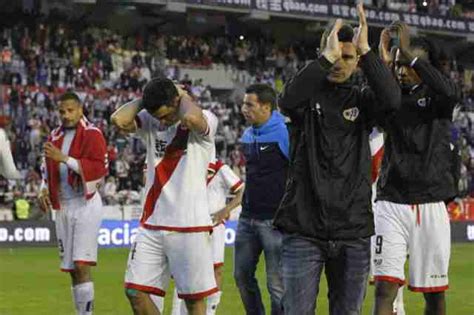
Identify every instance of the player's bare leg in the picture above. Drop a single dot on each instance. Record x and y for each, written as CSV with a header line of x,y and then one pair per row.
x,y
82,289
196,307
219,274
435,303
141,303
179,307
385,294
81,274
214,299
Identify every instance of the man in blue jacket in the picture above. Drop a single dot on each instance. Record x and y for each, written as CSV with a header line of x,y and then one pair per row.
x,y
266,149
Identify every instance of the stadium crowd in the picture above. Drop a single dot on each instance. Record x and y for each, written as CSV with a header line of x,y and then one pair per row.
x,y
107,70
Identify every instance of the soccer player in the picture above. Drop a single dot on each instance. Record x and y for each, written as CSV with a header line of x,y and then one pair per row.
x,y
174,234
221,181
75,166
416,177
376,140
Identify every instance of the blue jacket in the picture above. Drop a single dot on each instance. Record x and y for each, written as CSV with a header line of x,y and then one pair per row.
x,y
266,150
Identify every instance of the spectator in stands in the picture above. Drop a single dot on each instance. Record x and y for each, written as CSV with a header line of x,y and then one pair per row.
x,y
110,191
122,170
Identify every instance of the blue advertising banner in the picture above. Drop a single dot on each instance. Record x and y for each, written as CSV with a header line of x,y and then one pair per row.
x,y
122,233
117,233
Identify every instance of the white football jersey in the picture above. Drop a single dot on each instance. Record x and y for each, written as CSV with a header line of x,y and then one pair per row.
x,y
176,173
221,180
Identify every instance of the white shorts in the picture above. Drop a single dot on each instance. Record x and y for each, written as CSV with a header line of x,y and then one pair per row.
x,y
218,245
420,231
77,226
156,255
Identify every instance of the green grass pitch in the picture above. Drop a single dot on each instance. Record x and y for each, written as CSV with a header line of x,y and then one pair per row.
x,y
30,283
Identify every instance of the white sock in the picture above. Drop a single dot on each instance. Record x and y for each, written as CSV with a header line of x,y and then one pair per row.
x,y
179,306
398,306
84,298
158,301
213,302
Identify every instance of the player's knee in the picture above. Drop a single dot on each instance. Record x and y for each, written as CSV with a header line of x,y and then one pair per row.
x,y
386,291
81,273
134,296
218,272
131,293
193,303
434,298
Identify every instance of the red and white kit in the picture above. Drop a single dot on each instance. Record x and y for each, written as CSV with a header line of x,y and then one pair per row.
x,y
73,191
401,231
221,181
174,234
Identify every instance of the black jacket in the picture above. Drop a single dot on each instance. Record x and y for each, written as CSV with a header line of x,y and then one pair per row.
x,y
419,158
328,193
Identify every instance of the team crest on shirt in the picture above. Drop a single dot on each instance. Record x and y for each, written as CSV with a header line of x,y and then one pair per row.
x,y
422,102
351,114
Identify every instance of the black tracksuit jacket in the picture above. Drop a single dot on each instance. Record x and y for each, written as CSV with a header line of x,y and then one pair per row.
x,y
328,192
419,158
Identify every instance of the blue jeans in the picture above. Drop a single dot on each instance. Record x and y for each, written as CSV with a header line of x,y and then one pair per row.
x,y
253,237
346,265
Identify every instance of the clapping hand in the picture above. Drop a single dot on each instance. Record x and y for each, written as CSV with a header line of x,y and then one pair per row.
x,y
361,37
332,51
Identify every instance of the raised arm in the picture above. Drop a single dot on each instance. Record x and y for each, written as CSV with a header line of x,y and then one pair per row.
x,y
124,117
191,115
436,80
430,76
308,80
384,94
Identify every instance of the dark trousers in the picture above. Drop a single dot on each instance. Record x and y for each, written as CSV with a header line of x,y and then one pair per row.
x,y
254,237
346,265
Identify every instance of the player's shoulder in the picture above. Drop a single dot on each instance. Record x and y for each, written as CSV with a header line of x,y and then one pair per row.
x,y
89,127
210,117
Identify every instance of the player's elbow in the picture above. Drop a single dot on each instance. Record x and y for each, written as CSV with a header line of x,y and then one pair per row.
x,y
115,120
121,123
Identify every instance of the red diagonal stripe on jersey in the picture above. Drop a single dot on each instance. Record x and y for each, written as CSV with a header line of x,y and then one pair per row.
x,y
164,170
376,164
214,168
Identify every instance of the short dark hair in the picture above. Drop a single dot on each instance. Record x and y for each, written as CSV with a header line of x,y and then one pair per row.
x,y
265,93
157,93
345,34
68,96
